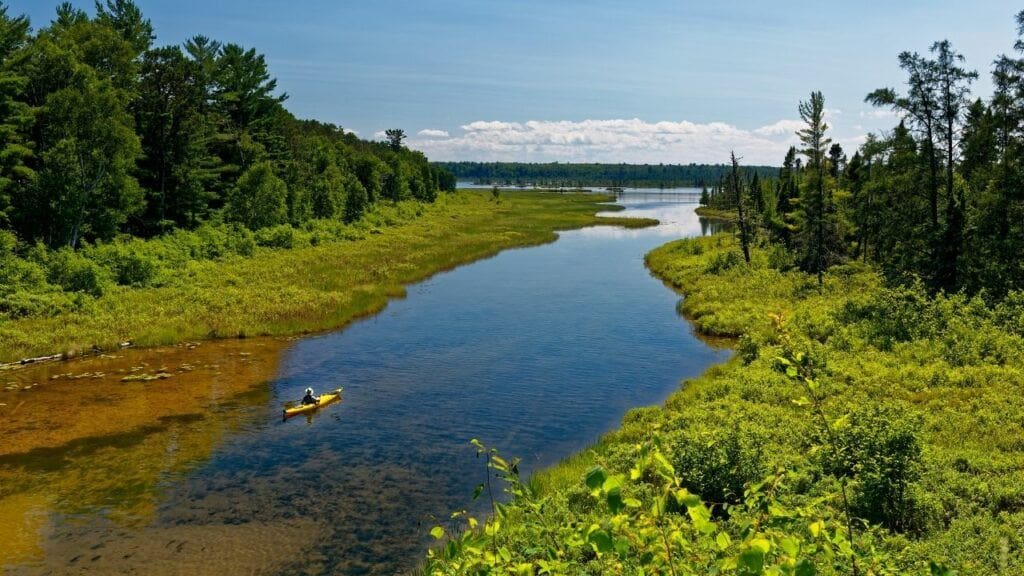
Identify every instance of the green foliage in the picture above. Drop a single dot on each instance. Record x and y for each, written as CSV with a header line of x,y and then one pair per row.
x,y
718,464
643,521
258,200
878,447
281,236
561,174
75,273
893,412
102,134
215,281
128,263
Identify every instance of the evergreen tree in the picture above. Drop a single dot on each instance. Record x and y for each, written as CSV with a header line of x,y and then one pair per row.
x,y
814,203
15,114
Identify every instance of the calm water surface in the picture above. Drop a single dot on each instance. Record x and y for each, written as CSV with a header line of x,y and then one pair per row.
x,y
536,351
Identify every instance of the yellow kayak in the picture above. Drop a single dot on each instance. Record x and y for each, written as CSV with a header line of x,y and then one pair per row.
x,y
321,400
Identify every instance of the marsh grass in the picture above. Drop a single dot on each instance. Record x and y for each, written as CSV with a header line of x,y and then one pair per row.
x,y
922,399
279,291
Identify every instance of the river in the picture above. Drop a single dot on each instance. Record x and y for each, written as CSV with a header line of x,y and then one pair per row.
x,y
536,351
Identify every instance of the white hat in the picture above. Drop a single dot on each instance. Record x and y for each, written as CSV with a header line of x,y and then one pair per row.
x,y
309,390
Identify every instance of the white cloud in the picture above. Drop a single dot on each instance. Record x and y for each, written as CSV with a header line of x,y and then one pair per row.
x,y
433,133
780,127
380,135
615,140
879,114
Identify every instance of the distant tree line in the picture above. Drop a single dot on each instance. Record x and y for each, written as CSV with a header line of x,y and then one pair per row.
x,y
555,174
102,133
938,199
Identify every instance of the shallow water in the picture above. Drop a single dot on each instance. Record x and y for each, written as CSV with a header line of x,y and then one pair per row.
x,y
536,351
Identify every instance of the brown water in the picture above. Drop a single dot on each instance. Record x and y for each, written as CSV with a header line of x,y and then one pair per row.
x,y
176,461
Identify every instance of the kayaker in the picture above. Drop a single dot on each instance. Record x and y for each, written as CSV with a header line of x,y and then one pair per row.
x,y
308,398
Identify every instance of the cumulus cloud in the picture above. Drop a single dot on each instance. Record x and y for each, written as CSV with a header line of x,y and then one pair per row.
x,y
617,140
380,135
879,114
780,127
433,133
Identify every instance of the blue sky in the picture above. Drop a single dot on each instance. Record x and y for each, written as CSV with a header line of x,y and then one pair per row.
x,y
585,80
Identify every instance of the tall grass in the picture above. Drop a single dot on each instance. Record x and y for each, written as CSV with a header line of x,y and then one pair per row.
x,y
900,412
278,282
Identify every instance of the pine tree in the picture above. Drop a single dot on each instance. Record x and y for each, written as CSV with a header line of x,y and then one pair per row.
x,y
814,204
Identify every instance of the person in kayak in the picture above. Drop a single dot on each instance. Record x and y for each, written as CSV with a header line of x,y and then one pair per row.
x,y
308,398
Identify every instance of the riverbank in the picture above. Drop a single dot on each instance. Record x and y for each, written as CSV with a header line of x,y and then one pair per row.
x,y
921,394
713,214
279,291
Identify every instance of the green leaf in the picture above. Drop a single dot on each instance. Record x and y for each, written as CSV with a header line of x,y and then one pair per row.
x,y
817,528
790,545
601,541
437,532
478,491
614,499
723,540
685,498
751,561
499,463
761,545
701,518
622,547
611,483
666,466
941,570
805,568
596,477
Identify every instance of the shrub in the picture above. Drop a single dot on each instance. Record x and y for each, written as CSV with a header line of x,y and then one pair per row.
x,y
75,273
1009,314
22,303
127,263
879,448
780,258
724,261
283,236
718,464
747,348
894,315
17,273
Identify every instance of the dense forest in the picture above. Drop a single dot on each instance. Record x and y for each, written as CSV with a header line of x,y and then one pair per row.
x,y
938,199
555,174
105,137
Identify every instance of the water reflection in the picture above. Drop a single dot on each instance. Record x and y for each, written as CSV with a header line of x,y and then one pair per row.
x,y
709,226
535,351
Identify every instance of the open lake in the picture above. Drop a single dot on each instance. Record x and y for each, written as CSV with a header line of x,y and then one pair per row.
x,y
535,351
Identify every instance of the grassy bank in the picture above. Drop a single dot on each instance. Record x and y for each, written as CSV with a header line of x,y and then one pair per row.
x,y
912,406
714,214
327,278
